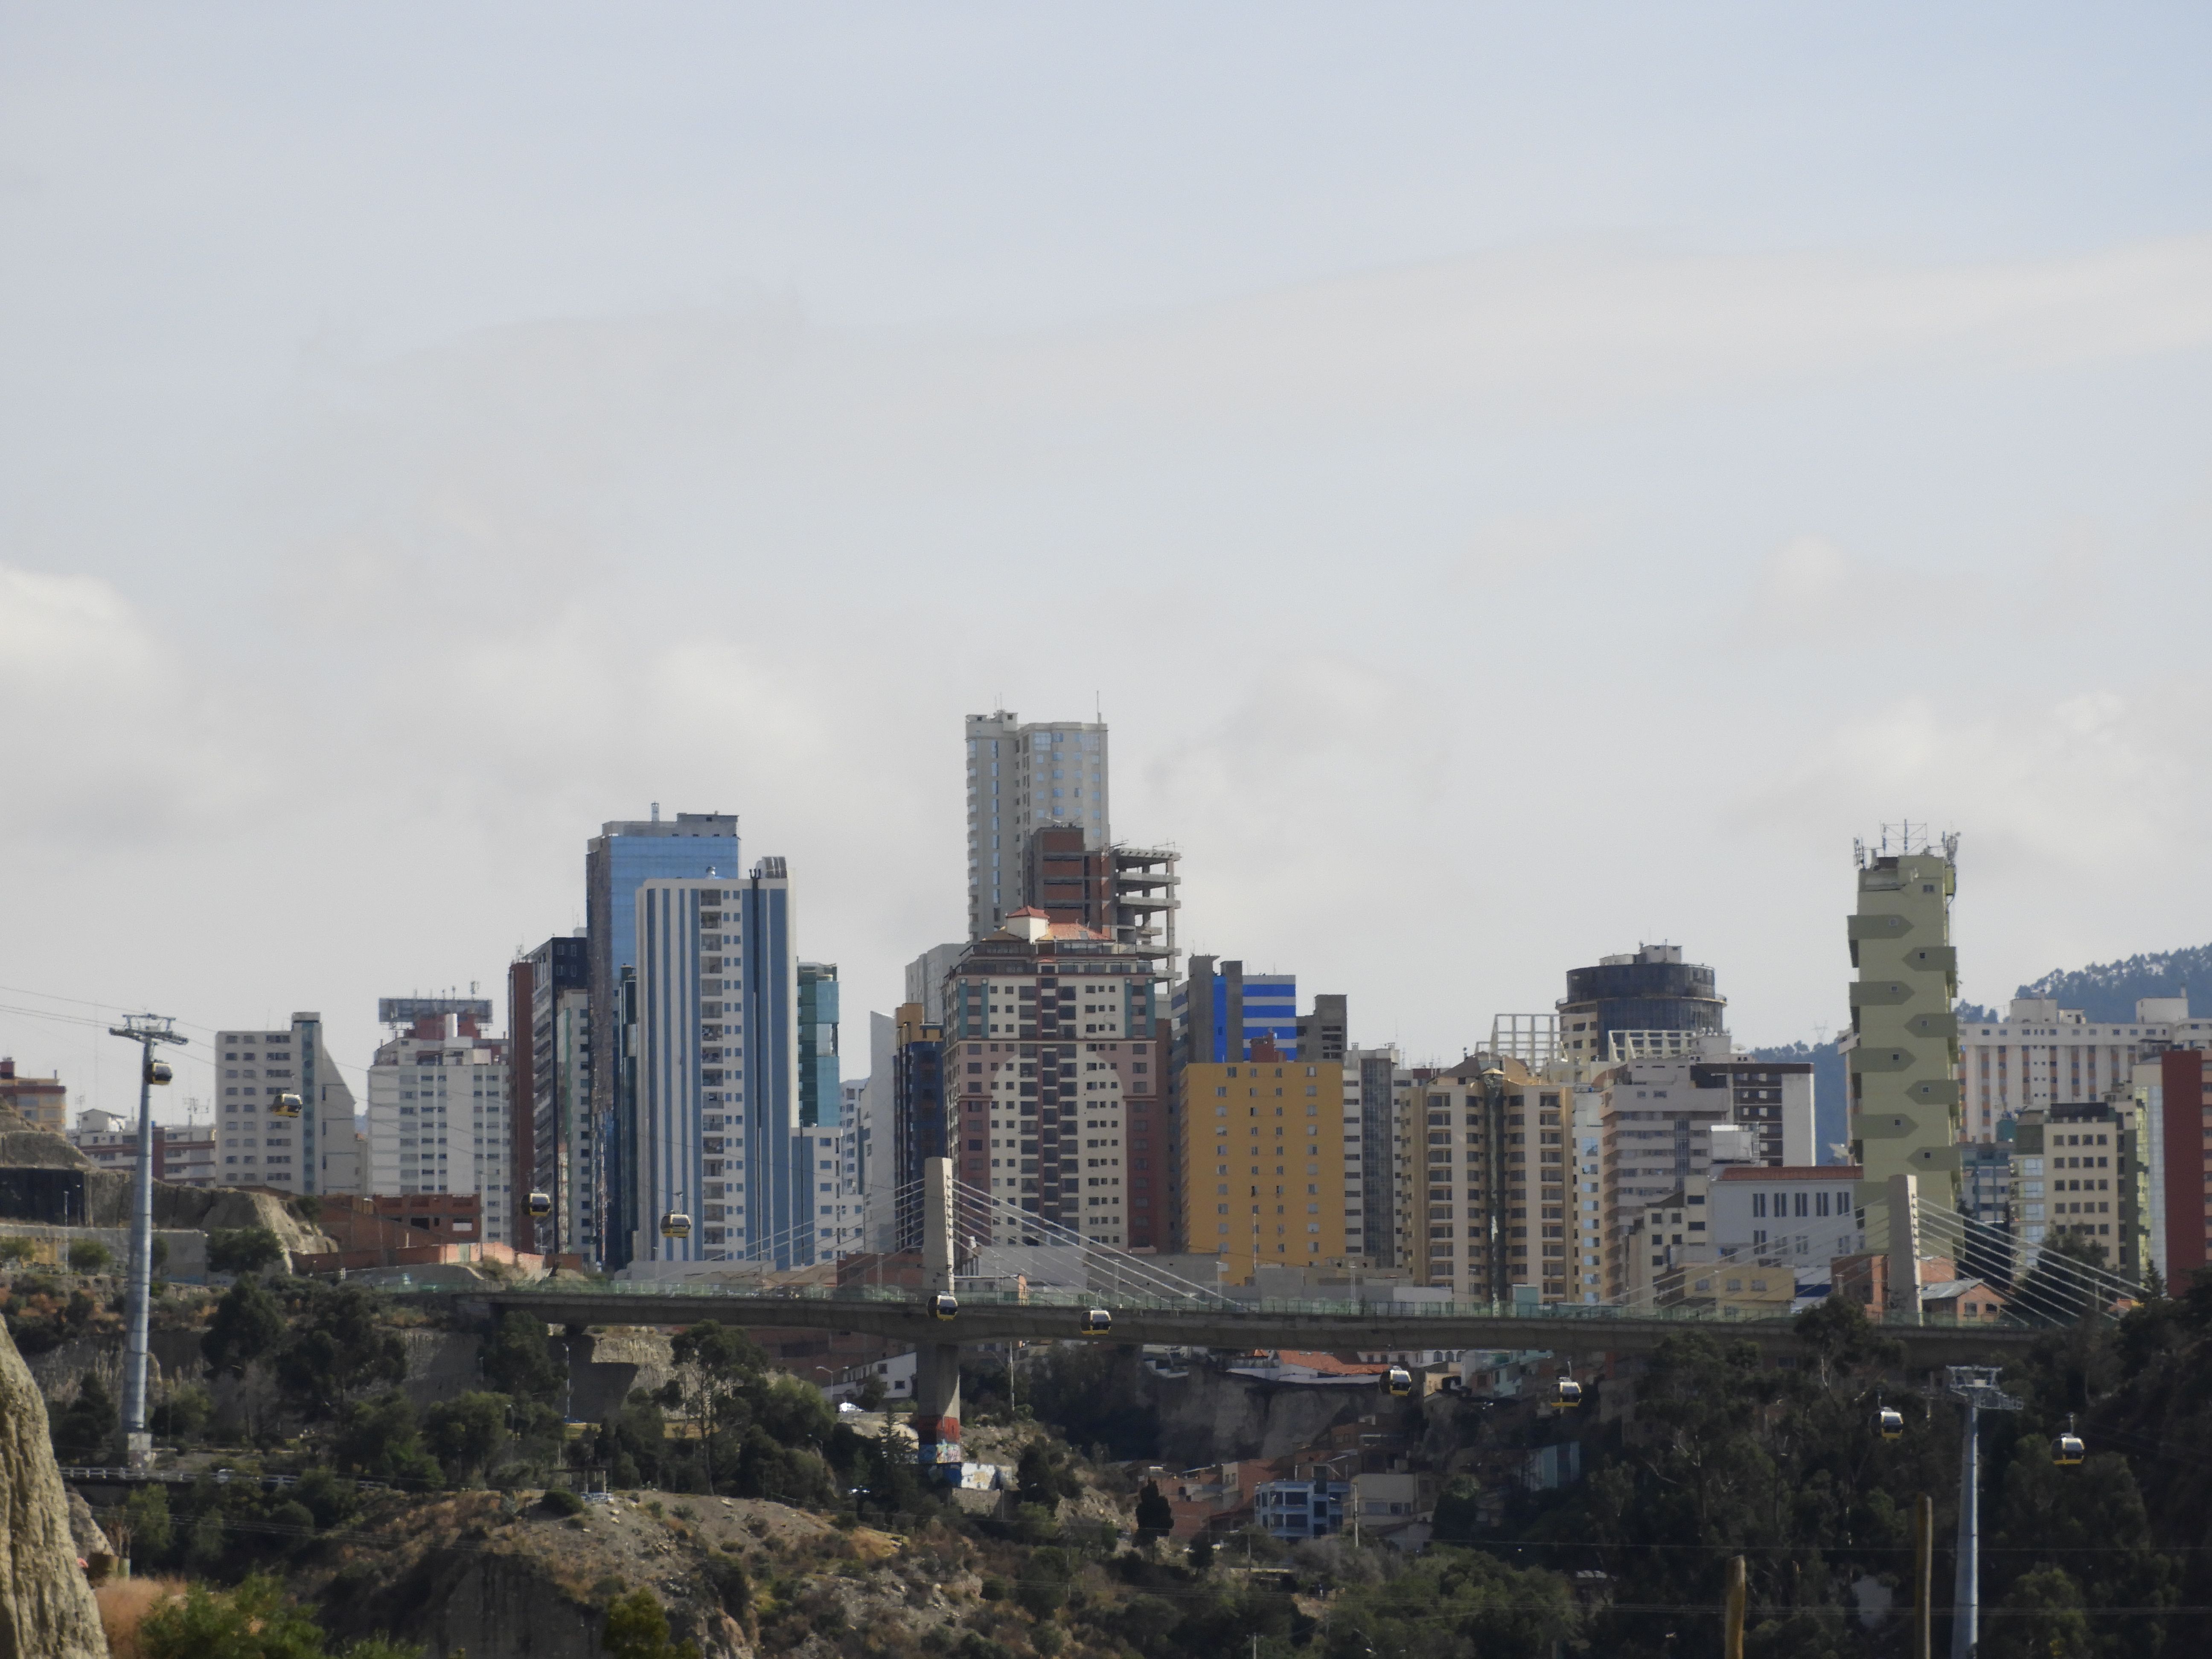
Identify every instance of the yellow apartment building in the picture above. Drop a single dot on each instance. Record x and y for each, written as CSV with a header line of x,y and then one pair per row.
x,y
1263,1158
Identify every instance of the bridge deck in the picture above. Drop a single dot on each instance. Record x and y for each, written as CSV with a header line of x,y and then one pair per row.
x,y
1324,1327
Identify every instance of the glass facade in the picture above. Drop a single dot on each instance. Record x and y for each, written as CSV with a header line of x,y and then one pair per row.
x,y
821,1097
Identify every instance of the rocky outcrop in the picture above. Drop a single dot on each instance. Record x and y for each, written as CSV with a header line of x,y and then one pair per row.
x,y
1211,1417
25,1146
47,1607
84,1531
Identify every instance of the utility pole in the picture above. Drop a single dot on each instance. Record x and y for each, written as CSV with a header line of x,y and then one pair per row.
x,y
1732,1632
145,1030
1976,1387
1924,1577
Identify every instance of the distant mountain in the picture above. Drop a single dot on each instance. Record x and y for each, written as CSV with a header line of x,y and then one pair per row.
x,y
2106,991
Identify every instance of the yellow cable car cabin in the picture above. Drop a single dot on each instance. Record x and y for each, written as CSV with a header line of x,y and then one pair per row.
x,y
2067,1449
157,1071
1890,1422
286,1106
1568,1395
676,1224
541,1205
944,1306
1398,1380
1097,1322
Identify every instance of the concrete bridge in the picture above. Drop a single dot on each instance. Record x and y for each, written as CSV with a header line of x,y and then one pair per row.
x,y
1328,1328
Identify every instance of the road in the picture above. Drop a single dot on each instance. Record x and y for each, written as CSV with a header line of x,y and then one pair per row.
x,y
1571,1331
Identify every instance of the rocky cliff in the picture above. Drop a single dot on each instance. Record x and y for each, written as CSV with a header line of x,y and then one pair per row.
x,y
47,1607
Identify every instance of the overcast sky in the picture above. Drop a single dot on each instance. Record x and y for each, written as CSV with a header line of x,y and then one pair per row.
x,y
1520,482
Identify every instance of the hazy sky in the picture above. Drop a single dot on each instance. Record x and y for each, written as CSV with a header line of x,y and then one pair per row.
x,y
1521,481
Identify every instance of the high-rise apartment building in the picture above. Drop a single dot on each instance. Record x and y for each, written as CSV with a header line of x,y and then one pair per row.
x,y
1368,1196
317,1151
1022,778
1053,1056
821,1102
716,1048
549,1018
2079,1171
1221,1010
824,1187
2041,1055
1902,1049
41,1102
440,1109
922,1126
1321,1033
1657,1120
616,861
926,975
1127,893
2175,1089
1653,990
1262,1156
1486,1179
184,1155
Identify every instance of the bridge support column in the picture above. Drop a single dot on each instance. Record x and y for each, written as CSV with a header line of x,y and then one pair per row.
x,y
937,1364
1902,1305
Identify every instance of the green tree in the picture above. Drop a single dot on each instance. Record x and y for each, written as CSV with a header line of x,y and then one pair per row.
x,y
761,1435
1200,1553
1456,1601
637,1628
379,1439
519,1360
631,1443
2045,1619
253,1621
85,1430
1042,1589
247,1325
89,1256
1042,1475
183,1411
1155,1515
146,1518
467,1433
340,1348
243,1250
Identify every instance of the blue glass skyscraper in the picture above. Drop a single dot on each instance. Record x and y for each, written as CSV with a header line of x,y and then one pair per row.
x,y
620,857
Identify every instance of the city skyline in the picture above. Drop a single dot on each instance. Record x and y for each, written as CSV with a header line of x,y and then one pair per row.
x,y
1728,474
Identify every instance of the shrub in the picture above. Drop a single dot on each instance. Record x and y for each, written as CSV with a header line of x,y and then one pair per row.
x,y
90,1256
243,1250
14,1251
559,1500
637,1628
732,1585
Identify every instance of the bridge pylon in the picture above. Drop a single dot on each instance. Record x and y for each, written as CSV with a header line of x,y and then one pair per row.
x,y
937,1364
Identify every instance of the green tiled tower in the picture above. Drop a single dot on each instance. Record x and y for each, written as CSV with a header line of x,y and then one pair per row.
x,y
1903,1046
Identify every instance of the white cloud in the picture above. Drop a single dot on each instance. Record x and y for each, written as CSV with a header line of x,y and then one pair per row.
x,y
104,736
